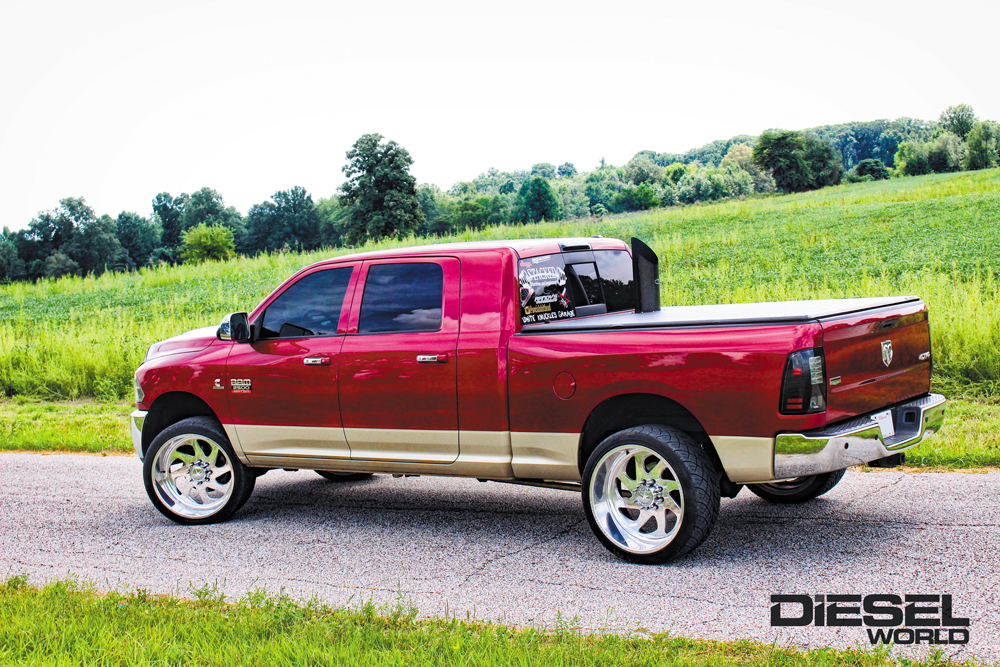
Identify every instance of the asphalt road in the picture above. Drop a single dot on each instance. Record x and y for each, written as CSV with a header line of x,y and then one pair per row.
x,y
516,554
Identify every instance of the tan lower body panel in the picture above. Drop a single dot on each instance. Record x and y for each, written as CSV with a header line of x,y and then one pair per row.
x,y
484,454
550,456
404,445
320,441
745,459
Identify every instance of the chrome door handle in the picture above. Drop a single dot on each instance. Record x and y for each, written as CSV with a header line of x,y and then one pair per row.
x,y
432,358
316,361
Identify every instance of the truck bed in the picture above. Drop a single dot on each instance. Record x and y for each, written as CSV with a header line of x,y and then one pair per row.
x,y
778,312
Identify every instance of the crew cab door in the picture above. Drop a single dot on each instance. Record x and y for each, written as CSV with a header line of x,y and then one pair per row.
x,y
398,393
283,385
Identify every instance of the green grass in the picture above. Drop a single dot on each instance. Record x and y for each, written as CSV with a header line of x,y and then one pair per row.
x,y
936,236
64,623
34,425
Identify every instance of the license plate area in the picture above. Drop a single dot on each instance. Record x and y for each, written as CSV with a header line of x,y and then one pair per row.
x,y
885,423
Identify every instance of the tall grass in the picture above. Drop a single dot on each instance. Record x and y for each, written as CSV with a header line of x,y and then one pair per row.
x,y
935,236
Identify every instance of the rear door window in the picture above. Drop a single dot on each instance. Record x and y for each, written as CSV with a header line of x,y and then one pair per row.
x,y
402,298
310,307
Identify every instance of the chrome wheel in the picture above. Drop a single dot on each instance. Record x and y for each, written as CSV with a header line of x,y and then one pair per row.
x,y
192,476
636,499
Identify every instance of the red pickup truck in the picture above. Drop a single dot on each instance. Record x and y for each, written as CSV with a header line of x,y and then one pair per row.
x,y
539,362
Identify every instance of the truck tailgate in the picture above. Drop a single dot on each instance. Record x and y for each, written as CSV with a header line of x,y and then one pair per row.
x,y
876,358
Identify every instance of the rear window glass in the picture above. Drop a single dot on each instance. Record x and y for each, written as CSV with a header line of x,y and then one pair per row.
x,y
561,286
402,297
310,307
616,279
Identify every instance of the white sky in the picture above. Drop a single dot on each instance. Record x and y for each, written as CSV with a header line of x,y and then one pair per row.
x,y
117,101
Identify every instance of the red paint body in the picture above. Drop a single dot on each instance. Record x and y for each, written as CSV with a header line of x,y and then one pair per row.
x,y
498,378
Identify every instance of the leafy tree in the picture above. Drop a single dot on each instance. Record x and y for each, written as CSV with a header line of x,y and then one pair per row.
x,y
138,236
635,198
167,211
333,219
946,153
741,157
983,146
206,207
75,231
784,155
508,187
95,246
290,221
58,265
544,170
872,168
11,266
958,120
714,184
49,232
643,170
824,163
202,243
566,170
536,201
675,172
911,159
380,190
798,161
478,213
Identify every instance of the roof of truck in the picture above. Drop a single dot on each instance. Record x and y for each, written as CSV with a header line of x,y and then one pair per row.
x,y
523,248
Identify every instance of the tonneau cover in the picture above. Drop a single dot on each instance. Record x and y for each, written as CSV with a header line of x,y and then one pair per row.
x,y
774,312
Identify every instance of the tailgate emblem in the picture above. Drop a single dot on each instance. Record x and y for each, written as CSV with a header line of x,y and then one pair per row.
x,y
887,352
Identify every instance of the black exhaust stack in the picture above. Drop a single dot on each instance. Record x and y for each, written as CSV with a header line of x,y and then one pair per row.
x,y
645,277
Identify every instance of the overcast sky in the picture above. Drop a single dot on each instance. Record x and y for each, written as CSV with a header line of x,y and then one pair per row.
x,y
117,101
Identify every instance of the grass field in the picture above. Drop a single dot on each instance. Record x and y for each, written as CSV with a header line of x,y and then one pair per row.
x,y
935,236
63,623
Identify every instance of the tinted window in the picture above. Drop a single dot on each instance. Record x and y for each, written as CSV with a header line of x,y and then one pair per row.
x,y
544,289
402,297
587,287
310,307
615,267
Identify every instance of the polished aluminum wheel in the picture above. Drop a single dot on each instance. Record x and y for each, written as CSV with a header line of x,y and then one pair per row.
x,y
192,476
636,498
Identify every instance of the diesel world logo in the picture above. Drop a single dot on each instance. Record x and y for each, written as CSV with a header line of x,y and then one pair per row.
x,y
925,619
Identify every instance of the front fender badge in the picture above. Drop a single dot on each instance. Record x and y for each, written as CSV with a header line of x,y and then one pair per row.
x,y
240,386
218,384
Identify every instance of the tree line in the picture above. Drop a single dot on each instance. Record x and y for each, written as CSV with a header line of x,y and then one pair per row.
x,y
381,199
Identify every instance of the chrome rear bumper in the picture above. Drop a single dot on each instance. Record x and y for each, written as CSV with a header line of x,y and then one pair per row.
x,y
136,419
857,441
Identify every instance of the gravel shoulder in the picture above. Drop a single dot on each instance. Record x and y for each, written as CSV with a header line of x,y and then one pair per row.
x,y
520,555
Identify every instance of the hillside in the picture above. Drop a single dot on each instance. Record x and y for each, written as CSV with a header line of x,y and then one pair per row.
x,y
937,236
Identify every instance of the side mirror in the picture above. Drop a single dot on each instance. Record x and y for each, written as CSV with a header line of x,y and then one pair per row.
x,y
646,274
235,326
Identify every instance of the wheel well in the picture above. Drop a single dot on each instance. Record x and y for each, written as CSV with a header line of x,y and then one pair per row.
x,y
628,410
169,409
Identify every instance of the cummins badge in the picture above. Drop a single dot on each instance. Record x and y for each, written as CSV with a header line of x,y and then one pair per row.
x,y
887,352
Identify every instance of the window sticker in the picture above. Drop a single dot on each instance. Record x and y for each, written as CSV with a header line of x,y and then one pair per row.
x,y
543,289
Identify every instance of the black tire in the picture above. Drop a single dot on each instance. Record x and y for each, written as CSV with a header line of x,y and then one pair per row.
x,y
798,490
200,440
343,476
685,490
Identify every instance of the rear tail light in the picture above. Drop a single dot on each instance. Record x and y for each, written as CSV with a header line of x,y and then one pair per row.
x,y
803,389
